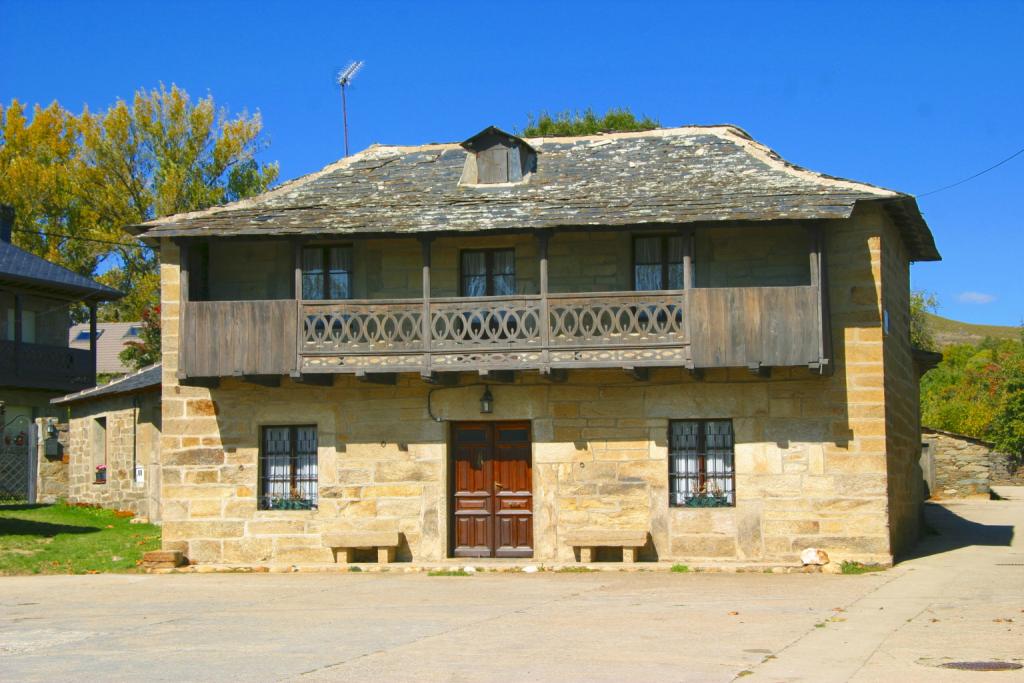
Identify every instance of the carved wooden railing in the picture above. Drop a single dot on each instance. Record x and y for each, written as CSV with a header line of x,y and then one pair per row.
x,y
566,330
46,367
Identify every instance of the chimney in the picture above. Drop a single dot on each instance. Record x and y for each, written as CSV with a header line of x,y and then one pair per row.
x,y
6,222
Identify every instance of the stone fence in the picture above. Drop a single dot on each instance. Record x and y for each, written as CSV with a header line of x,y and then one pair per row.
x,y
964,466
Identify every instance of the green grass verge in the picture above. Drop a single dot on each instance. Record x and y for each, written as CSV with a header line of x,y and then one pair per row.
x,y
680,569
574,570
859,568
449,572
65,539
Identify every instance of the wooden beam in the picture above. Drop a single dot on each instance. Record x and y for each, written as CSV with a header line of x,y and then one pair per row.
x,y
206,382
543,237
297,295
389,378
505,376
759,370
639,374
446,379
318,379
425,322
555,375
263,380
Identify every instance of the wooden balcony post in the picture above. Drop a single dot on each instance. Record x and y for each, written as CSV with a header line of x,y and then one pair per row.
x,y
92,339
819,282
297,292
183,312
425,325
18,332
687,234
543,237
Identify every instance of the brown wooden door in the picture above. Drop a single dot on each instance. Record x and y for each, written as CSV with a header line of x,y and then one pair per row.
x,y
492,490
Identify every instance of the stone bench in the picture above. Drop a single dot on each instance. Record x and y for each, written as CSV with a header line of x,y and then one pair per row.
x,y
630,540
385,543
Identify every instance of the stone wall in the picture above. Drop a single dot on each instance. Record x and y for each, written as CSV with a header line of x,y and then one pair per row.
x,y
811,451
902,395
52,471
964,466
131,436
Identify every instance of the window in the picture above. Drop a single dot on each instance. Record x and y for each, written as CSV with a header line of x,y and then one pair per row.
x,y
658,262
701,472
488,272
99,449
288,468
327,273
132,331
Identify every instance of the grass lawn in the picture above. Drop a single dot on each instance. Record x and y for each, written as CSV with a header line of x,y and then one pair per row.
x,y
64,539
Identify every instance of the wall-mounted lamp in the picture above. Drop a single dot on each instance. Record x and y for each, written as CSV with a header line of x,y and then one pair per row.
x,y
487,401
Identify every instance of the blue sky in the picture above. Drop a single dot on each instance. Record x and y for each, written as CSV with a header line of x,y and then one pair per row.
x,y
912,96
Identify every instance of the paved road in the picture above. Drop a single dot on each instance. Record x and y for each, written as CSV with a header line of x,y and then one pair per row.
x,y
953,602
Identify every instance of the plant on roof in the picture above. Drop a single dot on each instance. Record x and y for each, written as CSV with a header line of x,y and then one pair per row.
x,y
586,122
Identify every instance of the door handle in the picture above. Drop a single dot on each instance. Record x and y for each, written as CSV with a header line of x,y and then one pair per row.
x,y
498,485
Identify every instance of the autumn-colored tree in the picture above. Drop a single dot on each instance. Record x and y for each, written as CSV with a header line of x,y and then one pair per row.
x,y
76,180
145,351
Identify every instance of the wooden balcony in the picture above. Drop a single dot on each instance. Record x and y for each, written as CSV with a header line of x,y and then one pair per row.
x,y
40,366
755,327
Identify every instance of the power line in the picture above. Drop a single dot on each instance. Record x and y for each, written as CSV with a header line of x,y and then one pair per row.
x,y
979,173
65,235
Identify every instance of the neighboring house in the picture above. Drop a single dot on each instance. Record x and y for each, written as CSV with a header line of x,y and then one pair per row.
x,y
113,439
36,363
111,339
961,465
534,348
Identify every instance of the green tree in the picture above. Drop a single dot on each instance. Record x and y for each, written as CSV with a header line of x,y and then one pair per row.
x,y
85,177
145,351
921,334
585,123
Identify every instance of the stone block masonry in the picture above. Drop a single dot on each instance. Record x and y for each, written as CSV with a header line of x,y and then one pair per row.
x,y
964,466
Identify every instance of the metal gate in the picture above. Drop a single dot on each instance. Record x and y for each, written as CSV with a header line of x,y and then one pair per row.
x,y
17,463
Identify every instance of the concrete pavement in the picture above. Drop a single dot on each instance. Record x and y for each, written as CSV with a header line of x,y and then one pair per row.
x,y
962,598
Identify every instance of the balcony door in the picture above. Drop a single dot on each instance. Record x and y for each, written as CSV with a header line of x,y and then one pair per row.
x,y
491,502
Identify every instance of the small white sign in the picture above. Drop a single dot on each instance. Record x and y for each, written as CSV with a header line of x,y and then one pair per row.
x,y
140,474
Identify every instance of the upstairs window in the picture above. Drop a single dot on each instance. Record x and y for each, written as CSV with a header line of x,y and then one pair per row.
x,y
658,262
326,273
701,463
488,272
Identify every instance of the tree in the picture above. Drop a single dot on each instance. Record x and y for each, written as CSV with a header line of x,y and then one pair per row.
x,y
585,123
921,334
146,351
81,179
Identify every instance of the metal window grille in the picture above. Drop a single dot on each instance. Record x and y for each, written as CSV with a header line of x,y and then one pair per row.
x,y
288,468
701,469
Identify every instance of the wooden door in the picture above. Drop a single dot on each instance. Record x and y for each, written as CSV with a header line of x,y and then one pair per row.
x,y
492,490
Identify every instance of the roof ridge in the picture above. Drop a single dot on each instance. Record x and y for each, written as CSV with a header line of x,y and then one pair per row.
x,y
104,387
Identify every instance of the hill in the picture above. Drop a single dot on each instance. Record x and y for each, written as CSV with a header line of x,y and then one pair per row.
x,y
949,332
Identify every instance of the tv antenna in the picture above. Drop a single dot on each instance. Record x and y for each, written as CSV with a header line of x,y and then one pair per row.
x,y
345,77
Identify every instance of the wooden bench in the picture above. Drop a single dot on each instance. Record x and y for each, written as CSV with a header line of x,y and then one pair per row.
x,y
587,540
385,543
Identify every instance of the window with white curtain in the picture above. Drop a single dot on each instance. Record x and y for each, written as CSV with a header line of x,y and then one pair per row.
x,y
658,262
488,272
288,468
326,273
701,463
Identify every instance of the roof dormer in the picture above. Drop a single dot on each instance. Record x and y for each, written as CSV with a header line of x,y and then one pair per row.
x,y
495,156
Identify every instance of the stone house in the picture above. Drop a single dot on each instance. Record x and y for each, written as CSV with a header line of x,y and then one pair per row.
x,y
961,465
668,345
113,444
36,362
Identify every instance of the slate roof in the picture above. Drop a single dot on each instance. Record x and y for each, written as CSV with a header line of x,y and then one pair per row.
x,y
110,341
673,175
20,267
147,378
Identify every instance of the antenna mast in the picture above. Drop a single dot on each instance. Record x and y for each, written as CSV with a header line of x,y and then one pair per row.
x,y
345,77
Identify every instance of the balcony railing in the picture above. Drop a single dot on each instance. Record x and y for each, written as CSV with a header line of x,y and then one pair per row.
x,y
696,328
40,366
